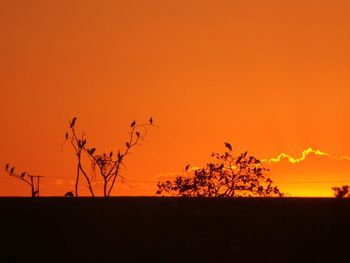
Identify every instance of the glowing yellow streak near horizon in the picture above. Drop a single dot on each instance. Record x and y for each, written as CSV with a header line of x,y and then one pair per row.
x,y
305,153
290,159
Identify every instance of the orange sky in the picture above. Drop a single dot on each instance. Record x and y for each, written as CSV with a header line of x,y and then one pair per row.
x,y
267,76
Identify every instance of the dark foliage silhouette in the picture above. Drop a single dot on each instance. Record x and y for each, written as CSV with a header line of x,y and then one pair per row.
x,y
341,192
69,194
106,166
33,181
230,176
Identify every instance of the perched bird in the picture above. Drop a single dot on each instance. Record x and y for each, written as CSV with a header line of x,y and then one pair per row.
x,y
12,170
228,146
69,194
138,134
151,120
7,166
133,124
73,122
187,167
92,151
23,174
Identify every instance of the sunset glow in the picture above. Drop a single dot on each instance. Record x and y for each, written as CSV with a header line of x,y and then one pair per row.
x,y
270,77
296,160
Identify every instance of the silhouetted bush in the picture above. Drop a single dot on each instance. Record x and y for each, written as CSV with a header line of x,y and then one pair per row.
x,y
230,176
341,192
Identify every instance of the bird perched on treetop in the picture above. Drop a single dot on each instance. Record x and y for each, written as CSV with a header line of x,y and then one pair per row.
x,y
73,122
228,146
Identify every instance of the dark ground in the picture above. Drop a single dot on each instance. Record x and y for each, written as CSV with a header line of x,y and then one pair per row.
x,y
137,229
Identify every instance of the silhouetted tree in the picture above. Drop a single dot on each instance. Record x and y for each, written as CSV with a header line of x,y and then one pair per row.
x,y
104,165
230,176
33,181
341,192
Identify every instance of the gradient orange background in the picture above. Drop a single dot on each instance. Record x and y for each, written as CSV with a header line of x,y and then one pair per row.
x,y
267,76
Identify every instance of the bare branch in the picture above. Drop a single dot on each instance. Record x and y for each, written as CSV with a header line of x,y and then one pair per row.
x,y
108,165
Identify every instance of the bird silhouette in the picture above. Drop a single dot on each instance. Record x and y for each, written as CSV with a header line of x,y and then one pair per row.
x,y
92,151
186,168
73,122
151,120
133,124
7,166
228,146
12,170
69,194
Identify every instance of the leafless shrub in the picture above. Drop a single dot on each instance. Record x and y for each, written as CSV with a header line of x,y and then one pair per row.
x,y
106,166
